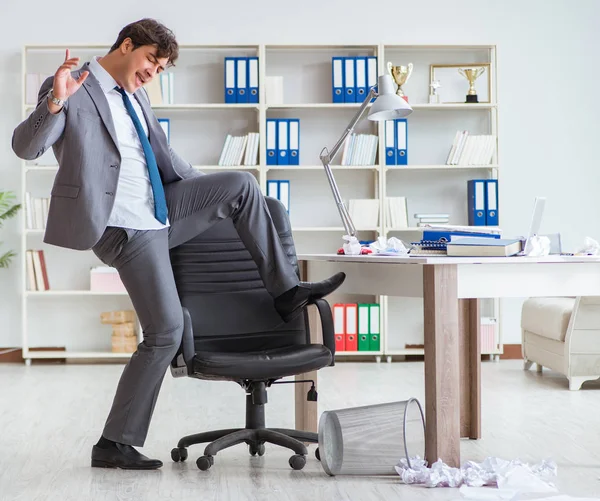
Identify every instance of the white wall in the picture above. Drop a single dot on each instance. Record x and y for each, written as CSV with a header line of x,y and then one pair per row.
x,y
547,86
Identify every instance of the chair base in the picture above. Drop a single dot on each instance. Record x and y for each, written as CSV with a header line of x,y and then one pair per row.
x,y
255,434
222,439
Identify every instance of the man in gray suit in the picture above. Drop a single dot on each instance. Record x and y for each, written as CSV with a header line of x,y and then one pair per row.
x,y
121,191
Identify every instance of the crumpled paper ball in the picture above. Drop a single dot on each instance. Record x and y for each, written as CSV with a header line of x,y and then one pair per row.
x,y
537,245
590,247
351,246
388,246
491,472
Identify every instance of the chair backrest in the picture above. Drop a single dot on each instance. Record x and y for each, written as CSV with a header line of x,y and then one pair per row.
x,y
218,282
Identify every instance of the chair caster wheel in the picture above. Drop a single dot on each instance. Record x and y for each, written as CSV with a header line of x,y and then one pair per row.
x,y
317,454
179,454
297,461
254,450
205,462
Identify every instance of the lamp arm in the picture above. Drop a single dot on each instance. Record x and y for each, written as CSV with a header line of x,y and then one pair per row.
x,y
330,155
327,157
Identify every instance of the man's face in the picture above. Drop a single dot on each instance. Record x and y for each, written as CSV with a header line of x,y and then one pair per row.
x,y
141,65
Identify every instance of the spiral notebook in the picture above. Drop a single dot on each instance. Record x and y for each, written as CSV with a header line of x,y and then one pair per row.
x,y
428,248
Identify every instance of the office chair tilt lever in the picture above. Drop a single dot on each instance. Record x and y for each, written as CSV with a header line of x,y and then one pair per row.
x,y
312,394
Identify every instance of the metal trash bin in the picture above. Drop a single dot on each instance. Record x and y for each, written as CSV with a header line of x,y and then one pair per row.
x,y
372,439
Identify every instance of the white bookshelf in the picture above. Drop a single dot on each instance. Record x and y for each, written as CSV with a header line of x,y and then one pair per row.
x,y
200,121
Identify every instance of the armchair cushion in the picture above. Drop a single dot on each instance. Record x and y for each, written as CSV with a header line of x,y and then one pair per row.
x,y
547,317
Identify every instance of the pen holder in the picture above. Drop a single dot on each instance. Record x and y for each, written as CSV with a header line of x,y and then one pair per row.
x,y
372,439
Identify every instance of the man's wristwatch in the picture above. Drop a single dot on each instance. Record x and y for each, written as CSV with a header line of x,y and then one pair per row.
x,y
55,100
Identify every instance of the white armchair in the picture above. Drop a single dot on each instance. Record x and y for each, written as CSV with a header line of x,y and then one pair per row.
x,y
563,333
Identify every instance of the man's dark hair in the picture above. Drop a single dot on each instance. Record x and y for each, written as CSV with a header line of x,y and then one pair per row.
x,y
150,32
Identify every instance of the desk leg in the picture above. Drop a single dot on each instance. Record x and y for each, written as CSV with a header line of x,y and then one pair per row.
x,y
306,412
442,390
470,368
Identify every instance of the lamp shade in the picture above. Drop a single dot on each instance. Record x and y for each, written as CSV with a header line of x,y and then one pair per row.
x,y
388,105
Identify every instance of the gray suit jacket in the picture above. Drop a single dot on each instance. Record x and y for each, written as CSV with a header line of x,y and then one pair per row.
x,y
85,144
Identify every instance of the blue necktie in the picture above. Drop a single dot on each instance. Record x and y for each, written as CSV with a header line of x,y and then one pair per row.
x,y
160,202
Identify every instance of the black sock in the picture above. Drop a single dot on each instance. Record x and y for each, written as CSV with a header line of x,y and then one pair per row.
x,y
287,295
105,443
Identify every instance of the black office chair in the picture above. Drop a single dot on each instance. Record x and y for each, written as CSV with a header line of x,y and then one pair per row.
x,y
232,332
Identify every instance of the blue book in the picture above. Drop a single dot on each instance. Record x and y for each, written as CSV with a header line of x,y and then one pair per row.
x,y
433,238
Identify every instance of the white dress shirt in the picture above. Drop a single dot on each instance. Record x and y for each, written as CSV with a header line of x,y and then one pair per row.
x,y
134,201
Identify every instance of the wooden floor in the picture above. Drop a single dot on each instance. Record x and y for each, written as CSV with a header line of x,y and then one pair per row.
x,y
51,415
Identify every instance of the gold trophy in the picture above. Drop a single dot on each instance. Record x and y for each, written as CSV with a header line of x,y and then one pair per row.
x,y
471,75
400,74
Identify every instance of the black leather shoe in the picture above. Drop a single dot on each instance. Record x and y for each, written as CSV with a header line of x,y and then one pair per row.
x,y
291,303
122,456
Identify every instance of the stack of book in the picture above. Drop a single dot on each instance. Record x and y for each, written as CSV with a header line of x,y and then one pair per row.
x,y
364,212
37,274
240,148
33,82
160,89
36,212
436,239
471,149
360,149
433,218
397,214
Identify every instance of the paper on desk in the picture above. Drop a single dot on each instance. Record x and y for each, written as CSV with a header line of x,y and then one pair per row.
x,y
537,245
590,247
391,246
351,246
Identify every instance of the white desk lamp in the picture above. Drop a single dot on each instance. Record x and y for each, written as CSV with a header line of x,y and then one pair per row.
x,y
387,106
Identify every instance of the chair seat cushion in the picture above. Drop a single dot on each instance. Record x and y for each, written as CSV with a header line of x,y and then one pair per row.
x,y
266,364
547,316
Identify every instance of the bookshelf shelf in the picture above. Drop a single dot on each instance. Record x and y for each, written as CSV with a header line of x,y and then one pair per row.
x,y
415,106
76,354
226,167
314,106
328,228
433,225
406,351
188,107
400,168
42,168
358,353
454,106
204,106
199,123
321,168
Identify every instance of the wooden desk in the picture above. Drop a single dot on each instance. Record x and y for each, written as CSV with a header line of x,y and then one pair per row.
x,y
450,288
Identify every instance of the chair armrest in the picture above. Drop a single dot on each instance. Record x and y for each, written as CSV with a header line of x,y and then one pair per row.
x,y
181,365
327,327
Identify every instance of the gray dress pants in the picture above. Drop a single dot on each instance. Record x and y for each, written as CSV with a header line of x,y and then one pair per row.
x,y
142,260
